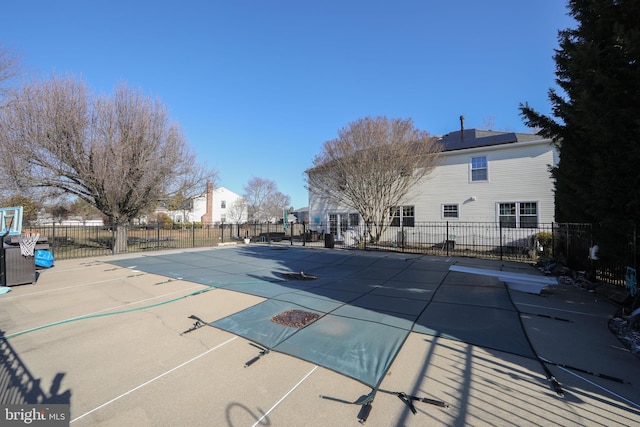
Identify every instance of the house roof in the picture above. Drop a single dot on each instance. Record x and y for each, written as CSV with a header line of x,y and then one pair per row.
x,y
216,190
471,138
474,138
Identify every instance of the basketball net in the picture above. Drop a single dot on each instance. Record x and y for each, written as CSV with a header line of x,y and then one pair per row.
x,y
28,243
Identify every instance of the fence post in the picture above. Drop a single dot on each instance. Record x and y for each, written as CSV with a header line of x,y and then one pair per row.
x,y
304,233
113,238
553,242
635,247
567,238
53,238
446,239
500,222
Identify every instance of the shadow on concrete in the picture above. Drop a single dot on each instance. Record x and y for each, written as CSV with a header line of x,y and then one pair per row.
x,y
234,407
19,386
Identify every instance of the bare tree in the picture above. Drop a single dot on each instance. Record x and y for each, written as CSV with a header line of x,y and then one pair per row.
x,y
371,166
489,123
237,212
9,68
277,204
119,153
264,201
60,212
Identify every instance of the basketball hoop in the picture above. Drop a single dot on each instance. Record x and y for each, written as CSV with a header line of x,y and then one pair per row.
x,y
28,243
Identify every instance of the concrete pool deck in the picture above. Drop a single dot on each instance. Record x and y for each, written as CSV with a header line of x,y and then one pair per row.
x,y
109,340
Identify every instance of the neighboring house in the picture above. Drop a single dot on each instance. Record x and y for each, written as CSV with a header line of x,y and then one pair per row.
x,y
484,176
45,218
218,205
301,215
214,206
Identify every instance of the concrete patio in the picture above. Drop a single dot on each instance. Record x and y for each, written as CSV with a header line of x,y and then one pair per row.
x,y
107,336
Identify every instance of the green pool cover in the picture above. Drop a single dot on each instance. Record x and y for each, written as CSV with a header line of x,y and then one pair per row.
x,y
366,302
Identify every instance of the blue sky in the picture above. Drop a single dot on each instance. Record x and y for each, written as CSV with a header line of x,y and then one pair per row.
x,y
258,86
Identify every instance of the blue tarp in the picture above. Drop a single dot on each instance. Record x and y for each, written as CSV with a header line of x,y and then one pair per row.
x,y
44,258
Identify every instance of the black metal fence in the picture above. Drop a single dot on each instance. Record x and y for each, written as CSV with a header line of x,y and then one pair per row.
x,y
67,242
485,240
567,243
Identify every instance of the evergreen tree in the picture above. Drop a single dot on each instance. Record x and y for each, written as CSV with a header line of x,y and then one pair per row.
x,y
596,120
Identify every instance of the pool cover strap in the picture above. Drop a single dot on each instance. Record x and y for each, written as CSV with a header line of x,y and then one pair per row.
x,y
366,401
196,325
263,351
408,400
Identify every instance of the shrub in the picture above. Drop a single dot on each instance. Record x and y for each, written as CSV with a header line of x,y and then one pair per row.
x,y
545,238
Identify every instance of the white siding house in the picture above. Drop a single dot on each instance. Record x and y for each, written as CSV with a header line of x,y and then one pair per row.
x,y
214,206
218,205
484,177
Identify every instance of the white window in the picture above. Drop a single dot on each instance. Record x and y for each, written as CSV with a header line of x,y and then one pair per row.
x,y
450,211
528,215
518,214
403,215
339,222
479,169
223,204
